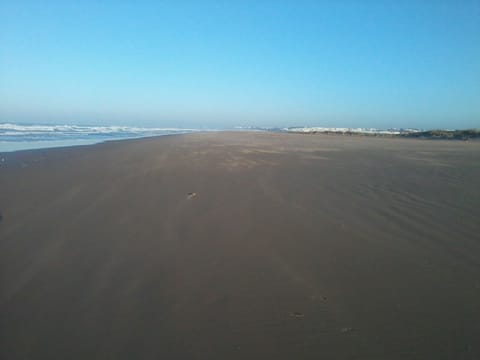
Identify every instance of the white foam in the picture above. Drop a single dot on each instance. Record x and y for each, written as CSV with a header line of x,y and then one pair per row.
x,y
350,130
15,129
15,137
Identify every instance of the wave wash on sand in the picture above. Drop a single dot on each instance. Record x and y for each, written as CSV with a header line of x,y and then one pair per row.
x,y
242,246
22,137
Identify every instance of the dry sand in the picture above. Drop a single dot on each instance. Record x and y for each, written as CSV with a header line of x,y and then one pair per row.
x,y
242,246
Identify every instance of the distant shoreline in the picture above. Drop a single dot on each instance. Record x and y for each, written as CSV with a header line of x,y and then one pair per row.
x,y
16,137
464,135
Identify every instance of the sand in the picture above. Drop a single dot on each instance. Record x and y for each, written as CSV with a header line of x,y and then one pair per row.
x,y
242,246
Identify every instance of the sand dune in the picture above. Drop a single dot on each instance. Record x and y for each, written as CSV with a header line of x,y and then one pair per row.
x,y
242,246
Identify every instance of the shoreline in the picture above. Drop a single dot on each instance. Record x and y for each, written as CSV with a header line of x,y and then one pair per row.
x,y
95,142
368,136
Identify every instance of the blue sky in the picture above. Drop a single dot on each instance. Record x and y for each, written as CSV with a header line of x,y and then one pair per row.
x,y
227,63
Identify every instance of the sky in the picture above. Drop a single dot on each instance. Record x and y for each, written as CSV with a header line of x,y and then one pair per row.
x,y
241,63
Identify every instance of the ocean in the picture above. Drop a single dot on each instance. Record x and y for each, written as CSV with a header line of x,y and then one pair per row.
x,y
15,137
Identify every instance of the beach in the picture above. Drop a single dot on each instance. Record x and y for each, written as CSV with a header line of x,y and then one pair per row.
x,y
241,245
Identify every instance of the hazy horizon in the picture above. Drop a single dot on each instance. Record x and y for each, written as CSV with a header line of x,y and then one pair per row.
x,y
379,64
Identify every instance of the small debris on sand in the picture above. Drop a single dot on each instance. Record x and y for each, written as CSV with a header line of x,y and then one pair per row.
x,y
297,315
346,329
191,195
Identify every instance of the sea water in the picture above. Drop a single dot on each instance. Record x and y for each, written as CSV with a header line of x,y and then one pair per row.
x,y
15,137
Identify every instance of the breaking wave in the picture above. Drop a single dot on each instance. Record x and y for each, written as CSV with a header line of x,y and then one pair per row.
x,y
19,136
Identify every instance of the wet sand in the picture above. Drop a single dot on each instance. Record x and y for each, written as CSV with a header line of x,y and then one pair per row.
x,y
242,246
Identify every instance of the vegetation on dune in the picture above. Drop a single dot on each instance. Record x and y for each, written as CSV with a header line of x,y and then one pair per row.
x,y
446,134
428,134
